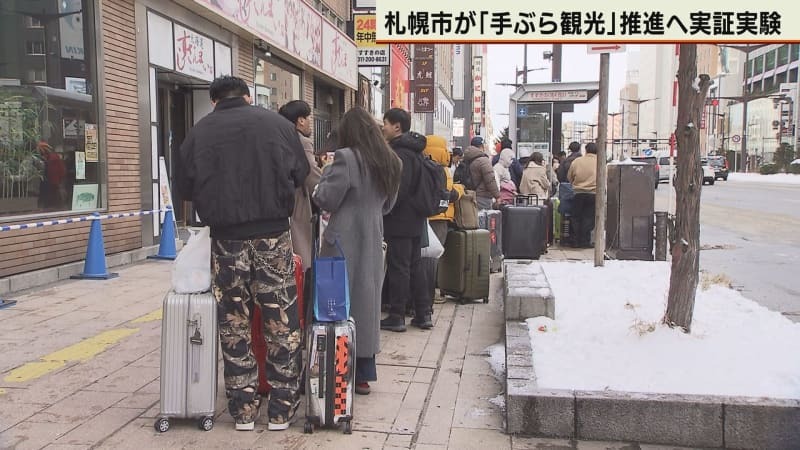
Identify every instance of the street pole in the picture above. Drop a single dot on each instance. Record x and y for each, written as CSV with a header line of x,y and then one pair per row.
x,y
622,127
613,127
600,196
744,108
556,64
525,66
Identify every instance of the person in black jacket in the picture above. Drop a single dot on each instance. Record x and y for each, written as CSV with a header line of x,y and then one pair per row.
x,y
403,228
240,166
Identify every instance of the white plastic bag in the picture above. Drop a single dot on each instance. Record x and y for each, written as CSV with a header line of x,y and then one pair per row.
x,y
191,272
434,248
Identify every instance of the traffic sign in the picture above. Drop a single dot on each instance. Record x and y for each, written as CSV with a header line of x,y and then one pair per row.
x,y
736,138
604,48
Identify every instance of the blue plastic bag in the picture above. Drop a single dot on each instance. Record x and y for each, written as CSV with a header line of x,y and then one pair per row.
x,y
331,288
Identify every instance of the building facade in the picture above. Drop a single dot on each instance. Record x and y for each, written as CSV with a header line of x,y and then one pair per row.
x,y
95,93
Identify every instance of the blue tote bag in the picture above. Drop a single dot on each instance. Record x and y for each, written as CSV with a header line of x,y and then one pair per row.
x,y
331,288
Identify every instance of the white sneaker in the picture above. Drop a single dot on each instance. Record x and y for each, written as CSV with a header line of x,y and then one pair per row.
x,y
249,426
278,426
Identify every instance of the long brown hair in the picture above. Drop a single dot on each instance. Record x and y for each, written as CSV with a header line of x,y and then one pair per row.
x,y
359,131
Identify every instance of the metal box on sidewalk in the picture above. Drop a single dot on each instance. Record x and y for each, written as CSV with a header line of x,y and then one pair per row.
x,y
629,217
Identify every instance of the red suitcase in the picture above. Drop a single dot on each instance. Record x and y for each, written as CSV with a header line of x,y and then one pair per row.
x,y
257,330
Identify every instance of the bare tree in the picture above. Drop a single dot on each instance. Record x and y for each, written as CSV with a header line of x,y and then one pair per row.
x,y
692,90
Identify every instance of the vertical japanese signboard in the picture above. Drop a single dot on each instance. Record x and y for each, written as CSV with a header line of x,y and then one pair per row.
x,y
369,53
398,81
477,89
424,82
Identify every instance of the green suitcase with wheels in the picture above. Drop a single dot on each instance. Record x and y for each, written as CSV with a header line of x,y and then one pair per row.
x,y
556,219
464,267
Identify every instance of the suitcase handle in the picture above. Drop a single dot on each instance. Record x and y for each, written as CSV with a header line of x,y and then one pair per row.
x,y
527,198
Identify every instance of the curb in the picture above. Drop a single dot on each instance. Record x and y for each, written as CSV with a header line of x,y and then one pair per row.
x,y
661,419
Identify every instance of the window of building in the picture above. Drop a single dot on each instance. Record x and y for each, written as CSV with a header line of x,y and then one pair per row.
x,y
781,78
50,158
758,65
769,85
34,47
32,22
276,82
750,68
795,52
769,63
783,55
793,76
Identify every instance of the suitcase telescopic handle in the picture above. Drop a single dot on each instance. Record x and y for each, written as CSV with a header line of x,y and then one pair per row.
x,y
527,197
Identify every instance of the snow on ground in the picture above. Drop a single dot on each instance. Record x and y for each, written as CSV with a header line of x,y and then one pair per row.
x,y
778,178
608,335
497,359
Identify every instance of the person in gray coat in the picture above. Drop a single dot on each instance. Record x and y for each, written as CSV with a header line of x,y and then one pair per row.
x,y
358,189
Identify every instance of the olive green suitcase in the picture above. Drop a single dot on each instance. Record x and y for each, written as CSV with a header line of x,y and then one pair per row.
x,y
464,267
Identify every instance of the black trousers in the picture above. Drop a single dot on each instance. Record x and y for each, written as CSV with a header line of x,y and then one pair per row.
x,y
405,280
583,219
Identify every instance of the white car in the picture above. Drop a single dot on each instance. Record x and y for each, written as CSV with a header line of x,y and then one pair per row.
x,y
709,176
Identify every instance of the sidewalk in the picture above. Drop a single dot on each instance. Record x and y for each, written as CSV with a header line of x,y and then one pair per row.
x,y
80,370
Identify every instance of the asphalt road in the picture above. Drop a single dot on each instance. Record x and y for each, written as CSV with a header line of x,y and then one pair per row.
x,y
750,232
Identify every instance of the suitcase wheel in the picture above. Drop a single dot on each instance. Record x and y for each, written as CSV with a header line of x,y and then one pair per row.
x,y
308,428
162,424
348,427
486,300
462,301
206,423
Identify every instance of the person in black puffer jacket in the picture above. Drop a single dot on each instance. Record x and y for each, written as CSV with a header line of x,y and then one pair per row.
x,y
240,166
403,228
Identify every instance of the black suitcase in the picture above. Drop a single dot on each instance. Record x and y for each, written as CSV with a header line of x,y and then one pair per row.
x,y
524,228
492,220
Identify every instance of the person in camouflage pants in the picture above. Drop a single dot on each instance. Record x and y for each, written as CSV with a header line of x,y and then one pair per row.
x,y
258,273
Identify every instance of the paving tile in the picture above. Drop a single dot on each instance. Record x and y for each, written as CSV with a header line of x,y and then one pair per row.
x,y
14,410
398,441
423,375
430,447
138,400
127,379
100,427
473,409
468,439
33,435
382,407
79,407
67,447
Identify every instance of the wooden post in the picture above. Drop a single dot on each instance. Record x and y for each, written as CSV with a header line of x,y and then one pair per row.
x,y
684,275
601,193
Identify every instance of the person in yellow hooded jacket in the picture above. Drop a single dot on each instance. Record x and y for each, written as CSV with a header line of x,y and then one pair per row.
x,y
436,148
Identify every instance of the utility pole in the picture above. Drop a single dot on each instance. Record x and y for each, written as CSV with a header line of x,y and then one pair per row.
x,y
744,161
556,63
525,66
600,195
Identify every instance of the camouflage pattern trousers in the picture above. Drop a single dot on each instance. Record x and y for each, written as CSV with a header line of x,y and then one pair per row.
x,y
248,274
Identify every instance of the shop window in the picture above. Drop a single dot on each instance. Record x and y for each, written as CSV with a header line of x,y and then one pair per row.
x,y
50,157
783,55
276,83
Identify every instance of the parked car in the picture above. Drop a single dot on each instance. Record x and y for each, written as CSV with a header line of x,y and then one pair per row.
x,y
720,166
650,160
665,168
708,173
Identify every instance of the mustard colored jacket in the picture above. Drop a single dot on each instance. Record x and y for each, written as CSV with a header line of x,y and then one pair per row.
x,y
437,150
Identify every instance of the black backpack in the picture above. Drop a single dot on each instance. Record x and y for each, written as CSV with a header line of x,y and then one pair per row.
x,y
466,174
431,196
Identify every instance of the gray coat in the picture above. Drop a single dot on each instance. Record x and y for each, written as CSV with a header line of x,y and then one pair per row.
x,y
357,208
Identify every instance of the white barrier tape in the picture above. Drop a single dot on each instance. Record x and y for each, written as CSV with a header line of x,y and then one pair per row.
x,y
79,219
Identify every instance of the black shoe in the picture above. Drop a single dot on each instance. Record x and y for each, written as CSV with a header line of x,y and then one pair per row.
x,y
423,321
394,323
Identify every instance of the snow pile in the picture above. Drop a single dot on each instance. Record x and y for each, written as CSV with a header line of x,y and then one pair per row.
x,y
778,178
497,359
608,335
627,162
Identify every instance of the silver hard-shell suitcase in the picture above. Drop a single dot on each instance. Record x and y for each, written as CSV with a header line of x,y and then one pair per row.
x,y
330,375
189,342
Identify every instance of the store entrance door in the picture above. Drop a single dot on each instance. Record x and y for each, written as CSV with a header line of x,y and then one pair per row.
x,y
174,105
